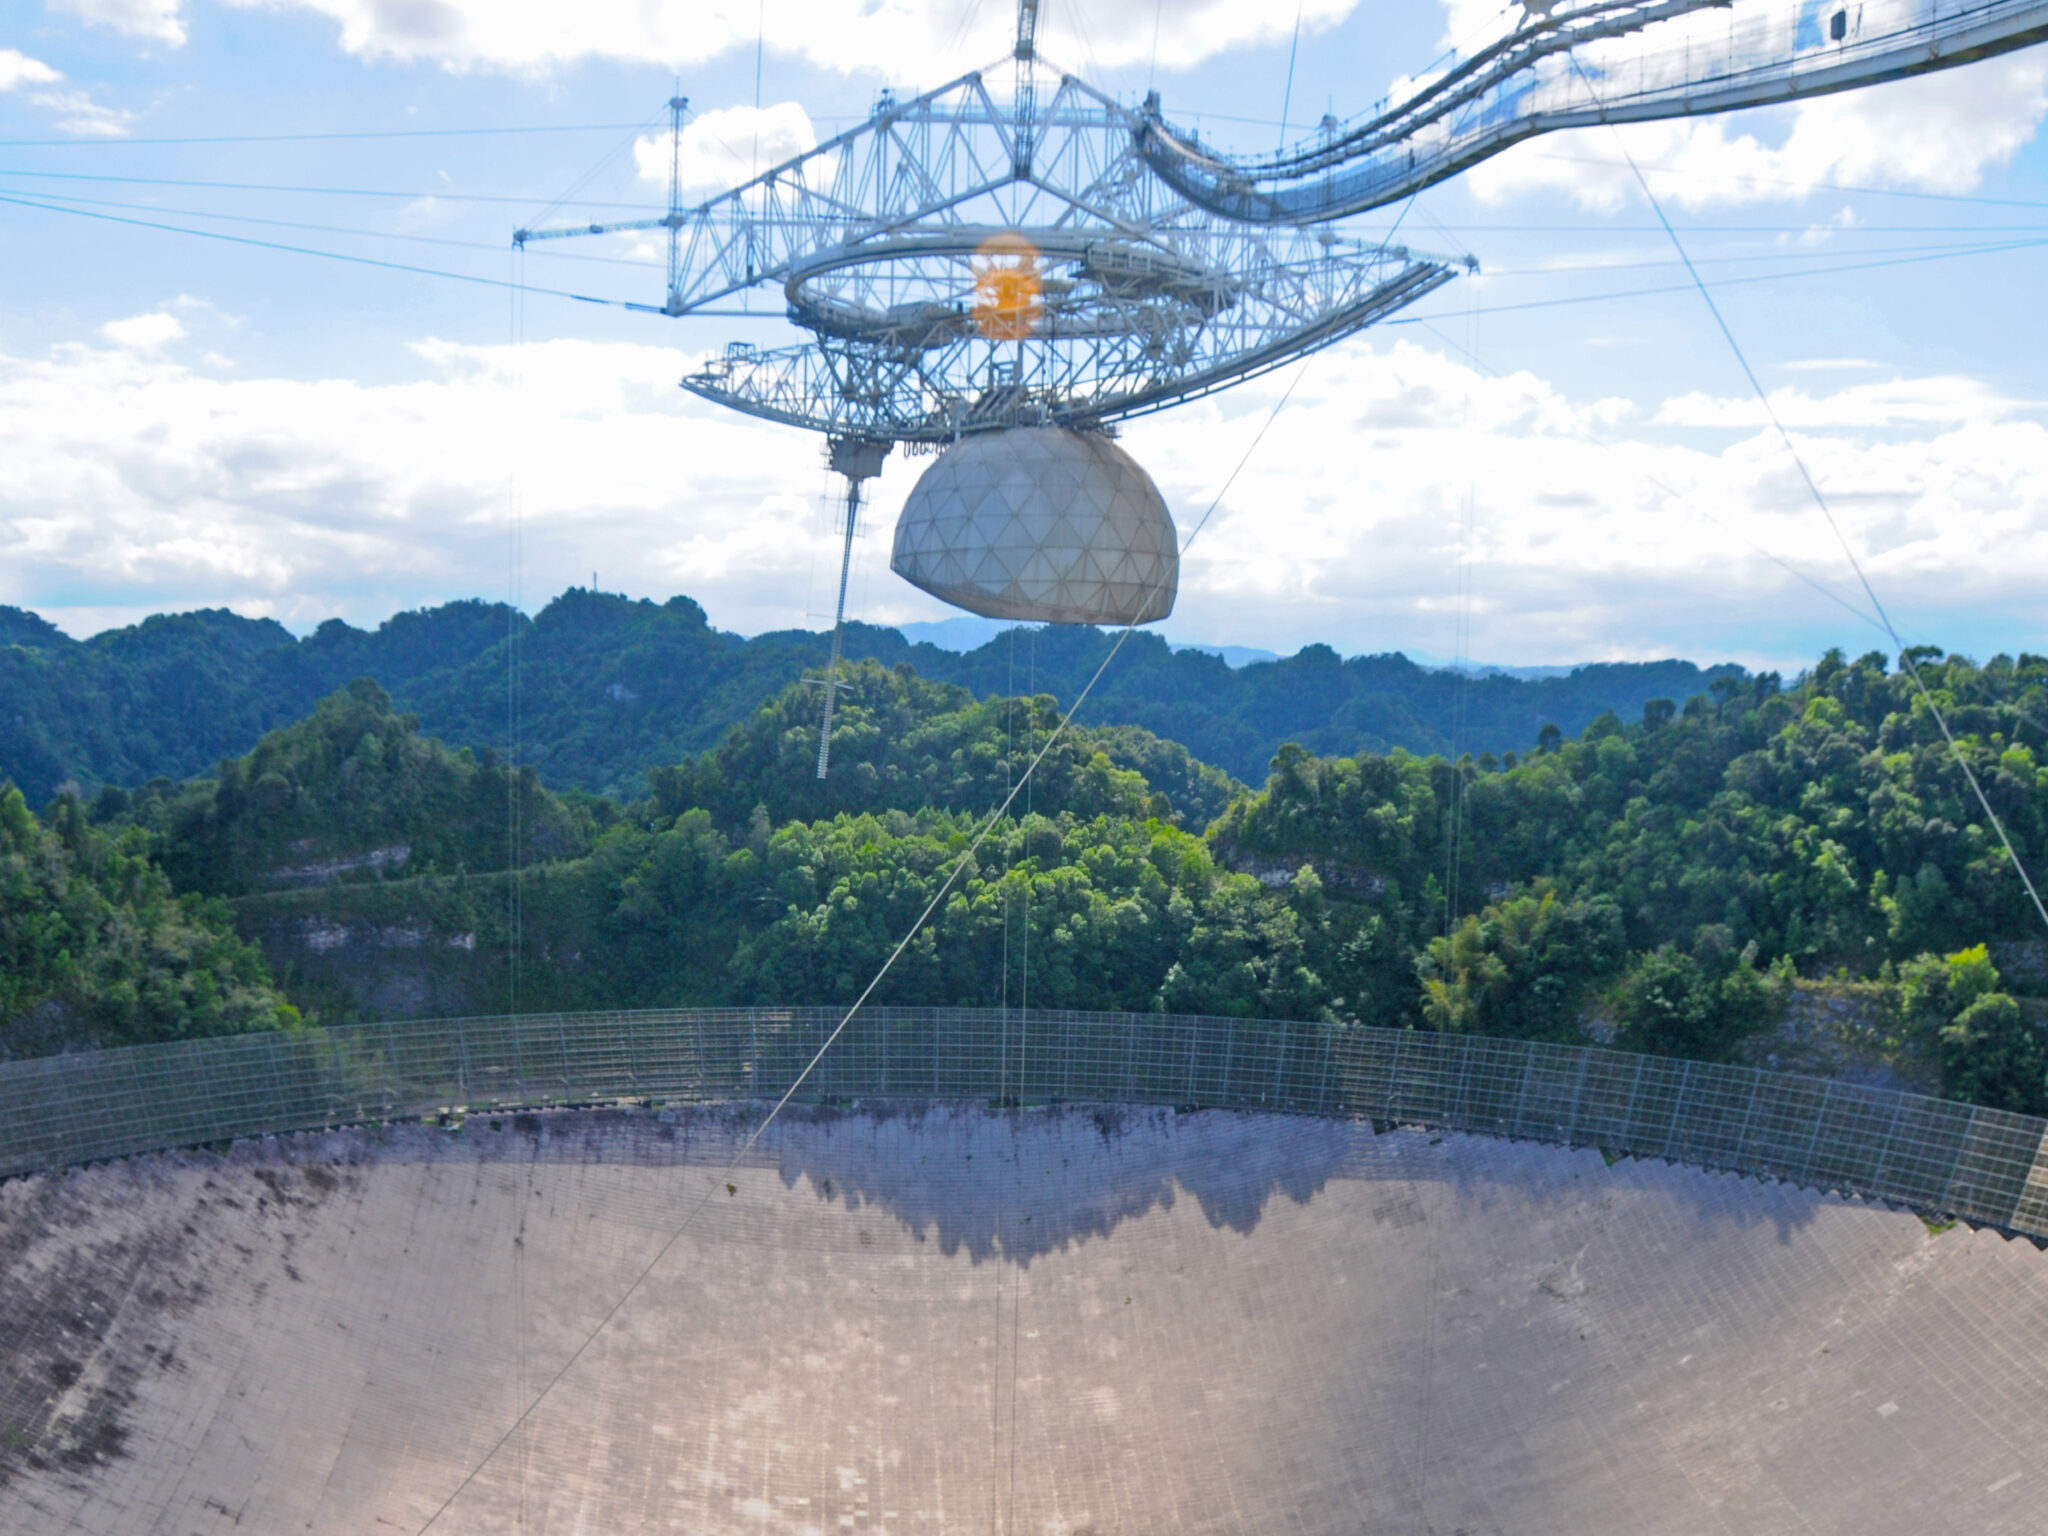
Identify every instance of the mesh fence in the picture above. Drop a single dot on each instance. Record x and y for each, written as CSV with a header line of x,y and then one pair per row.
x,y
1938,1156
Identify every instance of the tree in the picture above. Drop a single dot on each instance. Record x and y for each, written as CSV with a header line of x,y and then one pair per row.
x,y
1988,1051
1522,967
1700,1005
353,791
95,949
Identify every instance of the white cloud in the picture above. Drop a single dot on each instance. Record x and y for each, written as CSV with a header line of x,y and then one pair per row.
x,y
1591,540
132,482
1947,401
144,333
78,113
910,42
1832,365
1937,133
724,148
160,21
194,305
17,68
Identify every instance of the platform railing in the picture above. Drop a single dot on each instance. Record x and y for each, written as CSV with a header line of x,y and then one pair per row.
x,y
1934,1155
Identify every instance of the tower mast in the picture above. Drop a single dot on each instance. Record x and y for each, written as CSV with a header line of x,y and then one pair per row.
x,y
857,460
1023,145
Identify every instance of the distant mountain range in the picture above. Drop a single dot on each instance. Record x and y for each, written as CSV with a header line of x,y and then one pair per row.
x,y
966,632
596,689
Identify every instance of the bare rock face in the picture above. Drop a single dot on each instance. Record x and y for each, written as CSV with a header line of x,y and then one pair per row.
x,y
924,1319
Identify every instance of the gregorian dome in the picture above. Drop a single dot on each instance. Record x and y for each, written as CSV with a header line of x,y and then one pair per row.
x,y
1041,524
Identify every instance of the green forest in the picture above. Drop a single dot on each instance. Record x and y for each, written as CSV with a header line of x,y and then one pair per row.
x,y
596,691
1682,880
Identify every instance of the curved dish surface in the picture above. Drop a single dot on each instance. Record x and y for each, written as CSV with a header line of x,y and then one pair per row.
x,y
929,1317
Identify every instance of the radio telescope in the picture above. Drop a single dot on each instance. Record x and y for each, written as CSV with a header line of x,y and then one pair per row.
x,y
969,266
1032,271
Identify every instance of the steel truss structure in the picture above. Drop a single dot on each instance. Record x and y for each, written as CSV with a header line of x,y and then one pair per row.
x,y
1609,61
962,382
879,237
966,262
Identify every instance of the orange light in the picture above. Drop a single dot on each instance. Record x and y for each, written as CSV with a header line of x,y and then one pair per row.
x,y
1006,288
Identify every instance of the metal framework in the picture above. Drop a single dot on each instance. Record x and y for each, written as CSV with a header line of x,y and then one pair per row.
x,y
1938,1156
1607,61
965,263
963,382
882,238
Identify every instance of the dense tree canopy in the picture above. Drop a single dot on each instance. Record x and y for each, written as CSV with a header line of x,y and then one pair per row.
x,y
353,790
1829,823
96,949
900,742
596,689
1660,883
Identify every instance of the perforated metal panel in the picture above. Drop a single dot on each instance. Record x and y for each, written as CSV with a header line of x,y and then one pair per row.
x,y
1933,1154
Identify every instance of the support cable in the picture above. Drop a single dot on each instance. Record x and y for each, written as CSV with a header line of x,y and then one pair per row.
x,y
306,250
514,725
916,927
1461,642
1701,285
1293,49
514,862
1906,660
597,167
272,186
1823,186
70,201
1673,495
760,49
1003,1070
1982,249
314,138
1940,251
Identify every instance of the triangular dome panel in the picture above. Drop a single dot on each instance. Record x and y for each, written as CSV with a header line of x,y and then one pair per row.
x,y
1041,524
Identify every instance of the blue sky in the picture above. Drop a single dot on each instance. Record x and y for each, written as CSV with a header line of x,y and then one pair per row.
x,y
1542,467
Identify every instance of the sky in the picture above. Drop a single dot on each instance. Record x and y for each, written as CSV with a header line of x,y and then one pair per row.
x,y
1557,460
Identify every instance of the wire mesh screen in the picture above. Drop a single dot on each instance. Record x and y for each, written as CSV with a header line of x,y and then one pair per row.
x,y
1978,1163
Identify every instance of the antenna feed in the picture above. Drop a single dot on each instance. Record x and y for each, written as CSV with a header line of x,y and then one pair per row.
x,y
856,458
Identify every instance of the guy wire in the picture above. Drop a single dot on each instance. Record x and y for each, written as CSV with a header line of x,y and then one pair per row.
x,y
1906,660
513,722
1287,97
1023,1050
1978,685
760,45
945,887
514,862
1460,643
1002,1073
1030,872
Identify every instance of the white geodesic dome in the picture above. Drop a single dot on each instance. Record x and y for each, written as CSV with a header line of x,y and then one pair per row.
x,y
1041,524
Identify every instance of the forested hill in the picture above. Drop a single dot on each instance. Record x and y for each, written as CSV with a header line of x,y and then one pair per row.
x,y
609,687
1670,884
